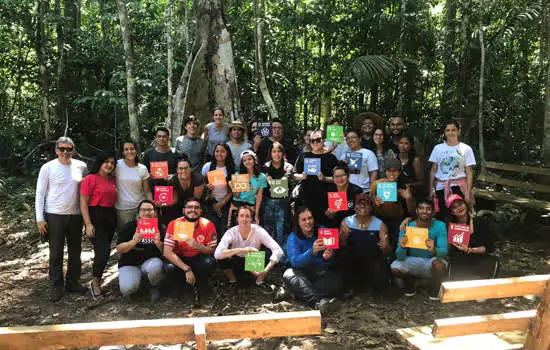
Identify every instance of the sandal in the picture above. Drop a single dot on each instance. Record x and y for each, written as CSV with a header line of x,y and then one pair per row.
x,y
93,293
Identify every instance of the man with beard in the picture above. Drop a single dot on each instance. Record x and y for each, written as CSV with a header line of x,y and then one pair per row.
x,y
191,259
397,128
429,262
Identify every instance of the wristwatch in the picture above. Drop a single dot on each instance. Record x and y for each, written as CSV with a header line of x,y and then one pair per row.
x,y
187,270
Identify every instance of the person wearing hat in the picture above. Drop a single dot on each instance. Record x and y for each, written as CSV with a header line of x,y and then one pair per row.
x,y
365,123
237,143
392,213
363,244
252,197
191,144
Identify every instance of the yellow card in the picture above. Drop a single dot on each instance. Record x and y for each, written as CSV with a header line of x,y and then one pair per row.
x,y
240,182
183,230
416,237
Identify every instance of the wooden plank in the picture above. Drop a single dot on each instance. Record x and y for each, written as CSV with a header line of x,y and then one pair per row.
x,y
420,338
459,326
200,336
161,331
517,168
493,288
520,201
538,337
530,186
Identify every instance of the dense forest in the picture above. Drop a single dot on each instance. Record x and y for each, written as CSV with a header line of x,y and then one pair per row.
x,y
102,71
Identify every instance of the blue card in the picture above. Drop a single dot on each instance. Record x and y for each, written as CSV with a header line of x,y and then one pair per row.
x,y
355,160
387,191
265,129
312,166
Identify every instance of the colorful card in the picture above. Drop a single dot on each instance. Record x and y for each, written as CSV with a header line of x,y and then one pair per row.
x,y
159,170
240,182
355,161
329,237
312,166
387,191
164,194
335,133
147,228
416,237
338,201
216,177
459,234
183,230
279,188
254,261
265,129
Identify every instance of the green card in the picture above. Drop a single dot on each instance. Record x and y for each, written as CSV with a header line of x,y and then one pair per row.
x,y
279,188
254,261
335,133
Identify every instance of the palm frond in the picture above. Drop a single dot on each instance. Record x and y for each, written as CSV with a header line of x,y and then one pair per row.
x,y
371,69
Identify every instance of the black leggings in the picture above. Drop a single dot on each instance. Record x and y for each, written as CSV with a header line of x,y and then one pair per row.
x,y
104,221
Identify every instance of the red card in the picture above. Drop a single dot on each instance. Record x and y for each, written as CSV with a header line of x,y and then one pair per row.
x,y
338,201
159,170
329,237
164,194
148,228
459,234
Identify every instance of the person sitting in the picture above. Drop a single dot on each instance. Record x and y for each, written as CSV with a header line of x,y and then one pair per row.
x,y
139,257
241,239
472,261
312,277
363,244
191,258
428,263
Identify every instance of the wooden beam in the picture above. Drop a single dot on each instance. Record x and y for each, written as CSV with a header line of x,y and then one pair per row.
x,y
521,201
530,186
161,331
200,336
459,326
492,289
538,337
517,168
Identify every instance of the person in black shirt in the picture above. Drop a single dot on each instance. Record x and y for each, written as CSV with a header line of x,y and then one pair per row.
x,y
140,257
265,145
340,175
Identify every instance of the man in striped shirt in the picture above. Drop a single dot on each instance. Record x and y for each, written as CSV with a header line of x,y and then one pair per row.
x,y
192,255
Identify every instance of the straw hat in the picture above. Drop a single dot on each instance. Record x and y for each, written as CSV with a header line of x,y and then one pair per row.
x,y
358,121
238,124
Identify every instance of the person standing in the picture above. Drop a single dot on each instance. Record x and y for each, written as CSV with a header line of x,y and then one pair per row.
x,y
398,127
58,216
382,151
265,145
236,142
368,173
215,132
191,144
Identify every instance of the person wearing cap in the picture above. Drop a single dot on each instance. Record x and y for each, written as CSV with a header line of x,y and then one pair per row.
x,y
472,261
191,144
392,213
368,173
237,143
340,175
363,245
252,197
428,262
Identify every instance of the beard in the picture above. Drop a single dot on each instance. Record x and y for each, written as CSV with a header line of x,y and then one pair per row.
x,y
187,218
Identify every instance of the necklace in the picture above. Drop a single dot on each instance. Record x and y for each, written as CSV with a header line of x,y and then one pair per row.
x,y
364,225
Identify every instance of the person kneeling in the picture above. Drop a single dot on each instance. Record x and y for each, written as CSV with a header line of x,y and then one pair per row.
x,y
140,257
245,238
427,261
311,278
190,257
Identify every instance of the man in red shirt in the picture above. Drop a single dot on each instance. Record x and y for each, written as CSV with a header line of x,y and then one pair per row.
x,y
190,254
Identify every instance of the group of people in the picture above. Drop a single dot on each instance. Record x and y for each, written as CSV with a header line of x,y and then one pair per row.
x,y
280,209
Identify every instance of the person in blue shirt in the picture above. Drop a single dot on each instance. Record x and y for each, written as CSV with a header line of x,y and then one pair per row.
x,y
311,277
427,263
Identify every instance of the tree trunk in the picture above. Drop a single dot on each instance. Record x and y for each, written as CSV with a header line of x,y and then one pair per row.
x,y
41,57
260,74
125,28
449,72
400,77
170,58
481,83
546,139
60,62
538,337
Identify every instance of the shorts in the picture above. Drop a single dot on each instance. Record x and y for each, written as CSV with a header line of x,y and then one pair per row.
x,y
415,266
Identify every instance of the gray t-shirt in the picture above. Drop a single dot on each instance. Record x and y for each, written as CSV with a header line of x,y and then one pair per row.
x,y
236,151
194,148
216,136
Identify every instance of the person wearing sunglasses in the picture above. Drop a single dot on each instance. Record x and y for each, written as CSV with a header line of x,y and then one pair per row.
x,y
140,257
190,259
58,216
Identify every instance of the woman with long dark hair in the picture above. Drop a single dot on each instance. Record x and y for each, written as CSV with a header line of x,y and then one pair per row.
x,y
412,168
187,184
98,195
383,152
340,175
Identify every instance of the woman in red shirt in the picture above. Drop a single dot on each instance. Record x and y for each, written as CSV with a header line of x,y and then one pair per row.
x,y
98,195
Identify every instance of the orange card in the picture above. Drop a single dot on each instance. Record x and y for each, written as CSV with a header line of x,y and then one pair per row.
x,y
183,230
240,182
416,237
159,170
216,177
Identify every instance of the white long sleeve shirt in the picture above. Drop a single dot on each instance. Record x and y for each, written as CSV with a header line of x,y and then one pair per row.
x,y
57,188
258,236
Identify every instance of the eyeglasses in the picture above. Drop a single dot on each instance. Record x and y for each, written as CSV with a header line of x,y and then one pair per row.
x,y
183,168
192,207
65,149
317,140
147,210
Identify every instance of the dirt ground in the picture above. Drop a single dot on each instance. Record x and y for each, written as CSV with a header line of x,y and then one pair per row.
x,y
363,322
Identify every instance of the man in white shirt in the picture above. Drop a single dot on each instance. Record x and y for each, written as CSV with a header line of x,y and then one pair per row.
x,y
58,216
